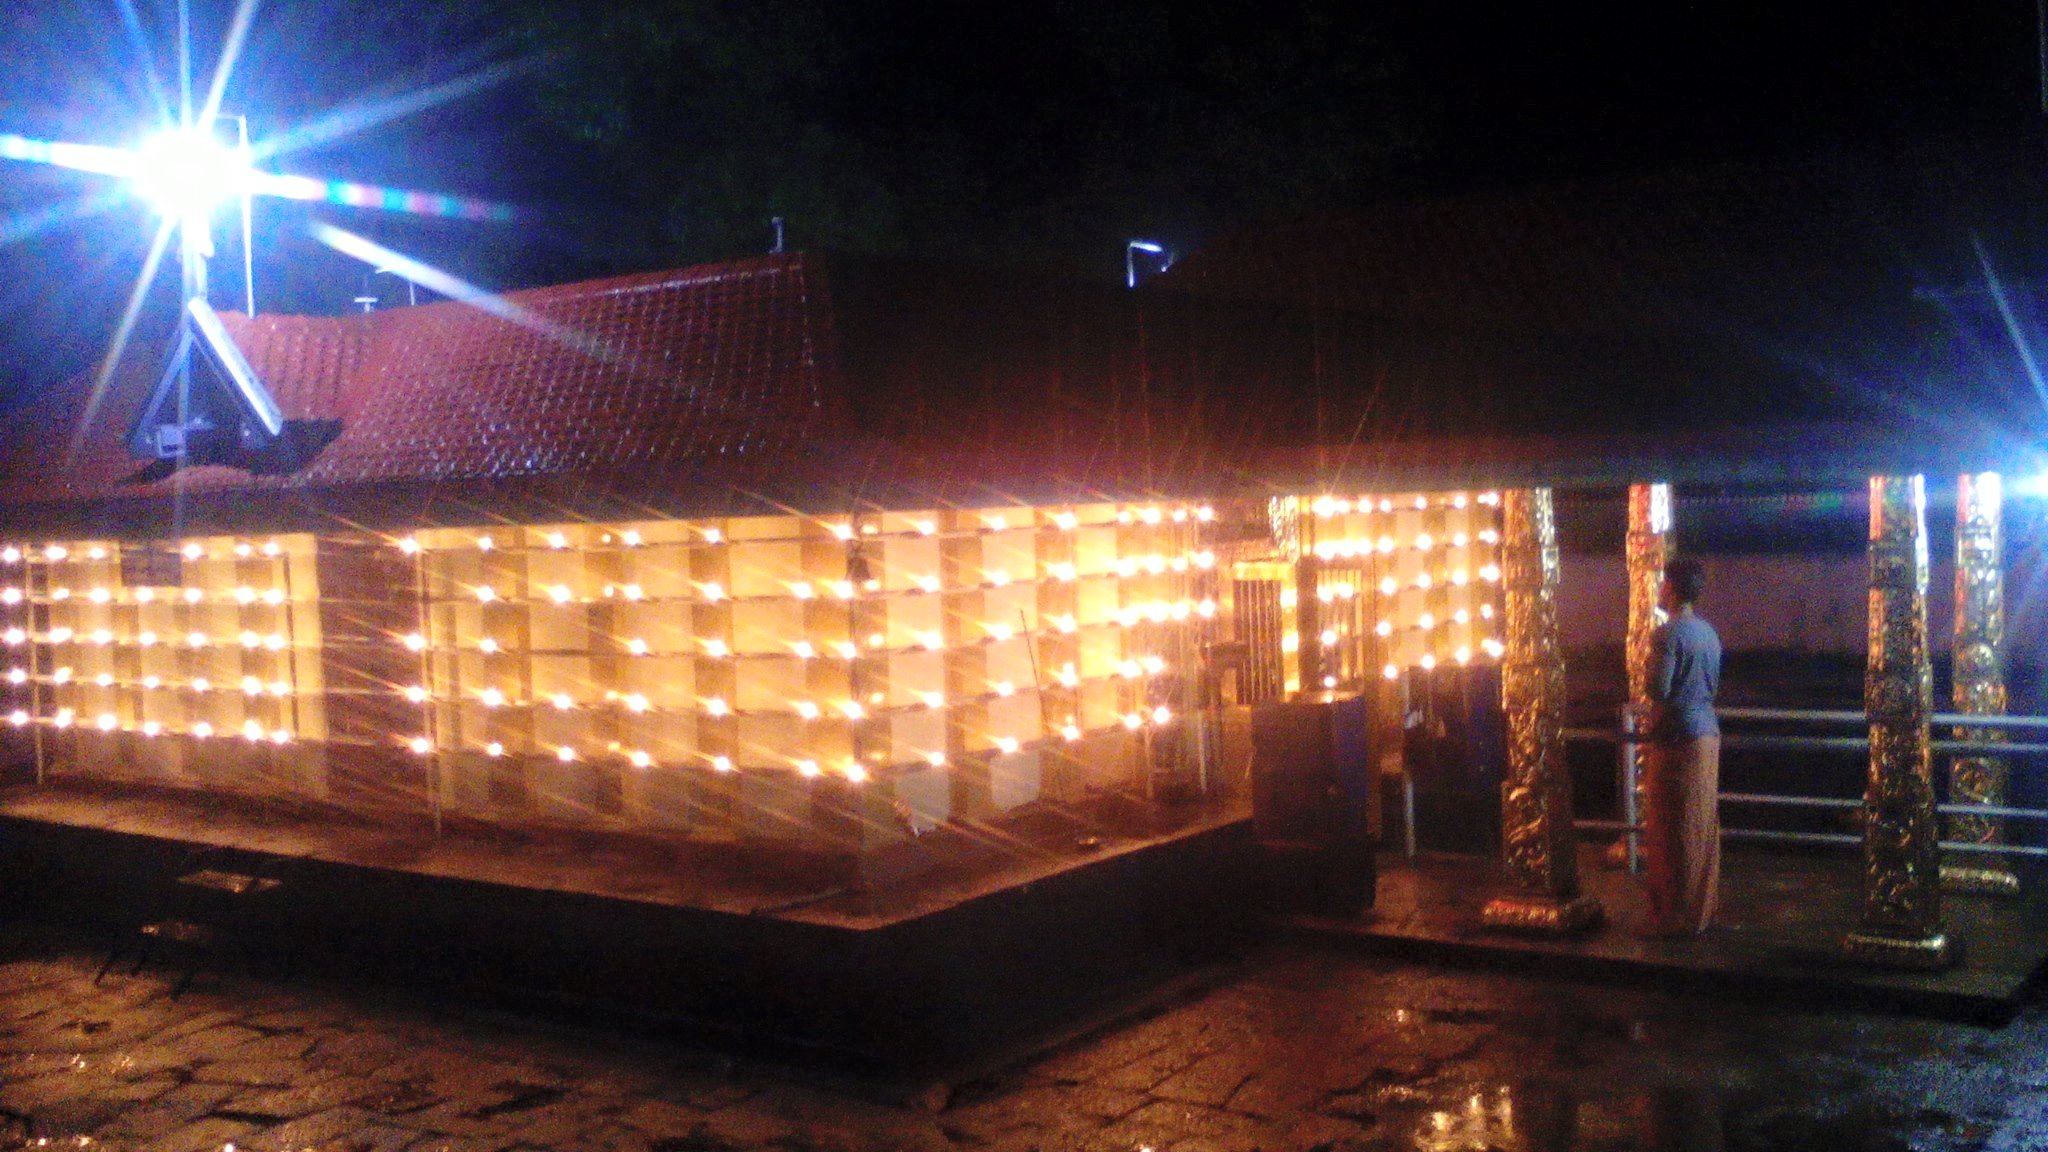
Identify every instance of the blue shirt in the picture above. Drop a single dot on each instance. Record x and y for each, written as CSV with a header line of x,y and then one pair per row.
x,y
1685,672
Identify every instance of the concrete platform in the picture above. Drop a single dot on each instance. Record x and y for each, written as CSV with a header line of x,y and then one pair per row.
x,y
1012,932
1782,914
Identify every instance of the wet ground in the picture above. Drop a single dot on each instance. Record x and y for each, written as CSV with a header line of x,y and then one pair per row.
x,y
1781,920
1291,1049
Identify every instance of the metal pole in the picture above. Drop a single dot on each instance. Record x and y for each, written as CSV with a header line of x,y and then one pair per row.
x,y
2041,32
1630,767
191,271
1407,812
248,223
185,65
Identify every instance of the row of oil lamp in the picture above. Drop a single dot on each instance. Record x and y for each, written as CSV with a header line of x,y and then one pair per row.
x,y
1328,505
252,730
927,527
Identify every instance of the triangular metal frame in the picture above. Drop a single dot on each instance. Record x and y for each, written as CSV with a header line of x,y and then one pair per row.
x,y
226,412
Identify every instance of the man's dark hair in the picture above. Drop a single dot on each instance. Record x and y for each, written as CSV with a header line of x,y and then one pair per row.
x,y
1688,579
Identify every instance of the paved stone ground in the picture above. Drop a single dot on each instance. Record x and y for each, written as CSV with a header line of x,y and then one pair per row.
x,y
1295,1050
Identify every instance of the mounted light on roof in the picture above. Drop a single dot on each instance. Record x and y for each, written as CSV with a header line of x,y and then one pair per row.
x,y
209,407
188,173
1161,254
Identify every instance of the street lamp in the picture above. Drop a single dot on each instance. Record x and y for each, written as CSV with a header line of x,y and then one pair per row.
x,y
412,290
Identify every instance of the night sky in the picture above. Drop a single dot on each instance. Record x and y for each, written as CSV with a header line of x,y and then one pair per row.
x,y
644,133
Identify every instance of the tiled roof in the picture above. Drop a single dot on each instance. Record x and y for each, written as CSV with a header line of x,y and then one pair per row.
x,y
653,376
792,379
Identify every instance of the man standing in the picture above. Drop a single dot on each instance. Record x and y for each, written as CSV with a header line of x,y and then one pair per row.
x,y
1682,779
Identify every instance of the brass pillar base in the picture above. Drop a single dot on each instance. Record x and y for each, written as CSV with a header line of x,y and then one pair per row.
x,y
1926,952
1544,914
1979,881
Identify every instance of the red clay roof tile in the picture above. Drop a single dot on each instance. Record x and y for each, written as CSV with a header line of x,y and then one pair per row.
x,y
651,375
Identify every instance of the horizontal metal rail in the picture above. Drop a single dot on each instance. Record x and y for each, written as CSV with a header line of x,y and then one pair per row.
x,y
1789,801
1823,743
1859,743
1845,838
1998,810
1987,748
1606,826
1792,715
1741,740
1795,743
1843,802
1847,716
2005,723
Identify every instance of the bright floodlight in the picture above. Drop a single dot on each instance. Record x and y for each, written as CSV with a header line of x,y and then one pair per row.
x,y
1162,256
186,174
2034,487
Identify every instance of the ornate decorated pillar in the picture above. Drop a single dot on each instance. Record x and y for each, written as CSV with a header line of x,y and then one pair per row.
x,y
1649,535
1649,548
1979,664
1538,842
1901,921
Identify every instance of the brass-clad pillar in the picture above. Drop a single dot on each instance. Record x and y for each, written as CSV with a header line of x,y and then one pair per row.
x,y
1901,921
1539,845
1979,675
1649,549
1649,535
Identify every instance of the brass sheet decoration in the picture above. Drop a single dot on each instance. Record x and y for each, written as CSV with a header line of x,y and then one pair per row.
x,y
1539,845
1649,549
1901,921
1283,517
1979,662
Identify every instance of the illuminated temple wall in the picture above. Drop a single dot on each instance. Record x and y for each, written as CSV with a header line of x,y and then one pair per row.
x,y
780,677
694,675
128,657
1401,583
1420,572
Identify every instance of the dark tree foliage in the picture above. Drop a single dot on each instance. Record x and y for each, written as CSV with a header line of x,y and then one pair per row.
x,y
1042,132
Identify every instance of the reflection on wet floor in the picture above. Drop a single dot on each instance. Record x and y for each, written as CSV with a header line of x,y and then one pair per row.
x,y
1552,1118
1300,1049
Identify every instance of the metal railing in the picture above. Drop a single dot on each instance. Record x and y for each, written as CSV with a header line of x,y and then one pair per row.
x,y
1627,740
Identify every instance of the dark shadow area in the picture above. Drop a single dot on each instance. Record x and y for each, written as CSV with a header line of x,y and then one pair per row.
x,y
814,976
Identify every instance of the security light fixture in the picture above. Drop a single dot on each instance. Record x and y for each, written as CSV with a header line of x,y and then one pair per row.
x,y
1162,255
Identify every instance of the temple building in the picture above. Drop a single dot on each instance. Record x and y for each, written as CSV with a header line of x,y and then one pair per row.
x,y
854,558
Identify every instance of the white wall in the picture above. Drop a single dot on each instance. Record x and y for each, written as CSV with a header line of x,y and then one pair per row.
x,y
1780,603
